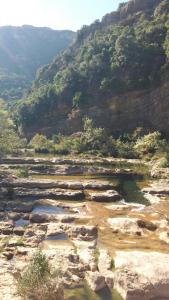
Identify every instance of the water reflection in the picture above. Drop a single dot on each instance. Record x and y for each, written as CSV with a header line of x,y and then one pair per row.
x,y
85,293
39,208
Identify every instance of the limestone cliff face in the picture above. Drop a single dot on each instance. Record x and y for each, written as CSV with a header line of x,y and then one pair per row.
x,y
119,66
134,6
148,109
129,8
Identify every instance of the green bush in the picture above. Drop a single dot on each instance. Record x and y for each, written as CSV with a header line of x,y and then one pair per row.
x,y
22,172
20,243
77,100
149,144
125,149
37,282
10,142
41,144
93,140
62,148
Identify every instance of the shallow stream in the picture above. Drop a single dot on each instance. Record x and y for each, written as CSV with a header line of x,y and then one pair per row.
x,y
130,189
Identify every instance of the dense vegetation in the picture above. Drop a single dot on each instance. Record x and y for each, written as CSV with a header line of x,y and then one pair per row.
x,y
107,59
94,141
22,51
91,141
10,142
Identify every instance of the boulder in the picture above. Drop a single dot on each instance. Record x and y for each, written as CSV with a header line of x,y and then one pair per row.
x,y
40,218
84,232
147,225
132,226
53,229
142,276
125,226
95,280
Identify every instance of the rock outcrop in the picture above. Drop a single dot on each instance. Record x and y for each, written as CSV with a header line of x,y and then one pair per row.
x,y
142,276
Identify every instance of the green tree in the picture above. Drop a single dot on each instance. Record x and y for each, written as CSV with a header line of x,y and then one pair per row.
x,y
40,143
10,142
77,99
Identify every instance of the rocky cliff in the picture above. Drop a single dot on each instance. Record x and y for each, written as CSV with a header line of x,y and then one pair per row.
x,y
116,72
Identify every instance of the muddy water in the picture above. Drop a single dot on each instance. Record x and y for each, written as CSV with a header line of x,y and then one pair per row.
x,y
85,293
130,189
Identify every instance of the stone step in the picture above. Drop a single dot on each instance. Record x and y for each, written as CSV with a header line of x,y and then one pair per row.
x,y
58,194
68,170
70,161
66,184
104,196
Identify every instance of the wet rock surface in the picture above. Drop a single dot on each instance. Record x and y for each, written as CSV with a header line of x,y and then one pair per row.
x,y
81,237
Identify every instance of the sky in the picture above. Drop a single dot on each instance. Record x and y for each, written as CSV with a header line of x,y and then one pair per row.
x,y
56,14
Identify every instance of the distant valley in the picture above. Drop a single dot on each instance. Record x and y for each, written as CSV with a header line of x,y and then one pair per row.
x,y
22,51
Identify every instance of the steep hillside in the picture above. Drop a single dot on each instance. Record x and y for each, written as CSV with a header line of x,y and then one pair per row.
x,y
22,51
116,72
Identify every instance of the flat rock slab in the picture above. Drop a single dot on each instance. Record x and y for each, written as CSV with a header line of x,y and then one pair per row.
x,y
48,193
107,196
160,173
160,187
66,184
125,206
142,276
70,161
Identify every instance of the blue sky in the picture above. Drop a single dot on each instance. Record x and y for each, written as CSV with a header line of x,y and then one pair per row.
x,y
57,14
